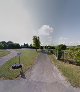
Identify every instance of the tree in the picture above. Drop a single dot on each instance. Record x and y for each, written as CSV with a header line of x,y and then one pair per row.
x,y
12,45
36,42
4,44
31,46
26,45
62,47
16,45
9,45
1,46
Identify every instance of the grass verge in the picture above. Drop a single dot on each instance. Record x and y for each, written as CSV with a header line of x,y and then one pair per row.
x,y
3,53
71,72
27,59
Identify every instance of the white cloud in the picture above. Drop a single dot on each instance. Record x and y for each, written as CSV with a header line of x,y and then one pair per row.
x,y
63,40
46,34
74,43
68,41
45,30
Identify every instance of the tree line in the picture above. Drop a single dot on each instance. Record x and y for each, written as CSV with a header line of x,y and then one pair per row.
x,y
13,45
9,45
36,45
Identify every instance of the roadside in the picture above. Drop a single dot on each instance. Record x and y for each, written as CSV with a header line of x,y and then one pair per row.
x,y
7,57
27,59
47,77
3,53
71,72
44,77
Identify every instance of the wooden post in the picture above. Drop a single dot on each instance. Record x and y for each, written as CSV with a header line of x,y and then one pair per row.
x,y
19,59
19,56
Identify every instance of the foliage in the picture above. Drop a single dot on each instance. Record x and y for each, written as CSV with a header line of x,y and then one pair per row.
x,y
61,47
73,55
9,45
49,47
41,47
59,54
36,42
59,50
71,72
25,45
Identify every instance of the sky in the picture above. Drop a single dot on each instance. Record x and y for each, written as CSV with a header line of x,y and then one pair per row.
x,y
54,21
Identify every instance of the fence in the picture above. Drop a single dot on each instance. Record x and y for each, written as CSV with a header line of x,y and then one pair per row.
x,y
70,55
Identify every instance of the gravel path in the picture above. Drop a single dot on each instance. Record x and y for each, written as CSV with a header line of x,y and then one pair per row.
x,y
43,77
8,57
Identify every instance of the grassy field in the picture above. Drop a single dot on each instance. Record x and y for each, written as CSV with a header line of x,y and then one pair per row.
x,y
71,72
3,53
28,58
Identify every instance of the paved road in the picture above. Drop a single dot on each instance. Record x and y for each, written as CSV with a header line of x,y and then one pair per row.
x,y
8,57
44,77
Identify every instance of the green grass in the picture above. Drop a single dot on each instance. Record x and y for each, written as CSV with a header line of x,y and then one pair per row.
x,y
3,53
28,58
71,72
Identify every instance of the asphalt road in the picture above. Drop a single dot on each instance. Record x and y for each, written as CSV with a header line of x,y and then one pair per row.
x,y
6,58
43,77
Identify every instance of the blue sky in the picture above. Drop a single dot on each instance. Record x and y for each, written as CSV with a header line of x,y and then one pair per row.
x,y
55,21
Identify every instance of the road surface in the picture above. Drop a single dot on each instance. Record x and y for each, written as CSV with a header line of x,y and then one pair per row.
x,y
6,58
43,77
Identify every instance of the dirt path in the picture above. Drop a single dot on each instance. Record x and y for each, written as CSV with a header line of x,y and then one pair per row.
x,y
44,77
8,57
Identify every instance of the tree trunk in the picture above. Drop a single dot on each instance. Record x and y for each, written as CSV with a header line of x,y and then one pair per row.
x,y
36,49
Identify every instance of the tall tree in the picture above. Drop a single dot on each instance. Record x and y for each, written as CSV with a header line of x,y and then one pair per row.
x,y
36,42
4,44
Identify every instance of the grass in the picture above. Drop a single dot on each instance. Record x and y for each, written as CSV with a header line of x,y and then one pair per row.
x,y
27,59
71,72
3,53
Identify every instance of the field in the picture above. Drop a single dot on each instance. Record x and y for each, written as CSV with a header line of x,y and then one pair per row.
x,y
3,53
72,55
28,58
71,72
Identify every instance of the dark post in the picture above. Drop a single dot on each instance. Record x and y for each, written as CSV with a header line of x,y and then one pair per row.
x,y
19,59
19,56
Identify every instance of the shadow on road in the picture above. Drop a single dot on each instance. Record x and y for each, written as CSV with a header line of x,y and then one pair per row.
x,y
22,74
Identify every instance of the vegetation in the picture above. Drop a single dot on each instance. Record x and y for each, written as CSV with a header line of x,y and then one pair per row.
x,y
30,46
58,51
71,72
3,53
27,60
9,45
68,62
61,47
36,42
72,55
49,47
12,45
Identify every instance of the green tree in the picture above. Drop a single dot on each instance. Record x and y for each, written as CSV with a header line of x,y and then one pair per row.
x,y
1,45
4,44
36,42
62,47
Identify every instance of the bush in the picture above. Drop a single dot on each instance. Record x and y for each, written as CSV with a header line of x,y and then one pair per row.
x,y
78,62
59,54
73,56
